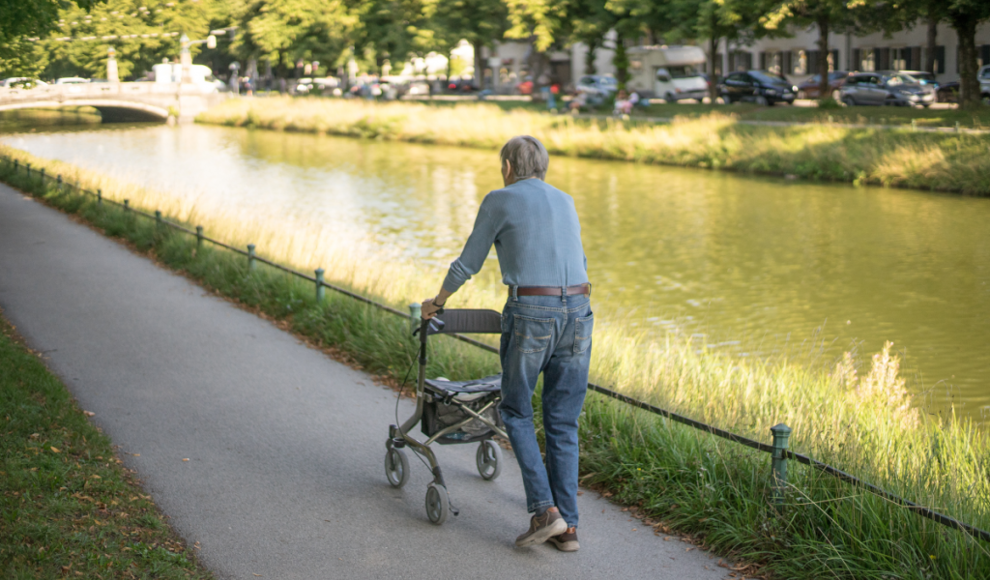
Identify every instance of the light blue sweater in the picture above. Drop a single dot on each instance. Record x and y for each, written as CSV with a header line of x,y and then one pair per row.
x,y
537,237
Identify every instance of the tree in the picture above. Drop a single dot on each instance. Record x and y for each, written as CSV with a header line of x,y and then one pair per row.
x,y
21,20
827,15
285,31
395,29
143,32
964,16
480,22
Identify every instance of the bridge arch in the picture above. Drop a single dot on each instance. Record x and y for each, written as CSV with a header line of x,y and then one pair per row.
x,y
112,110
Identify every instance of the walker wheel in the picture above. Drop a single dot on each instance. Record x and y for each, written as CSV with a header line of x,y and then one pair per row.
x,y
489,459
396,467
437,504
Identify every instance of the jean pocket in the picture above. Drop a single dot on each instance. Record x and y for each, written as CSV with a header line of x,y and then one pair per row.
x,y
583,328
531,334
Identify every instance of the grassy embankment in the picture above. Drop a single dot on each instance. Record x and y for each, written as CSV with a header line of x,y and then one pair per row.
x,y
715,490
970,119
936,161
67,506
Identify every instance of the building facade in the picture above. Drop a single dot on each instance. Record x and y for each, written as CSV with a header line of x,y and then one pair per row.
x,y
797,57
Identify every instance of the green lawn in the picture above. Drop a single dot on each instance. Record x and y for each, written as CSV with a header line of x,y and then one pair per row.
x,y
68,508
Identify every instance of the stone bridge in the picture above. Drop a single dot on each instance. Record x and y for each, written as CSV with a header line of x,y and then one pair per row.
x,y
118,102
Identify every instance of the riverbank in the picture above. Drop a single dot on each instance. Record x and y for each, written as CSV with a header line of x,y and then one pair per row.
x,y
687,480
70,509
922,160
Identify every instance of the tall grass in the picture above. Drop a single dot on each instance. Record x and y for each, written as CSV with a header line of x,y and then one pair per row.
x,y
856,416
902,158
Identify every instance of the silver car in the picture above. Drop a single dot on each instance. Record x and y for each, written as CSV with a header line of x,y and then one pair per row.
x,y
886,88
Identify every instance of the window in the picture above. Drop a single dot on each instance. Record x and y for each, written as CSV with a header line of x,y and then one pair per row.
x,y
799,62
682,72
740,60
983,55
867,59
882,59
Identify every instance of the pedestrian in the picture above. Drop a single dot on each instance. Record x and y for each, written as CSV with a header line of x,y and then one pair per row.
x,y
546,327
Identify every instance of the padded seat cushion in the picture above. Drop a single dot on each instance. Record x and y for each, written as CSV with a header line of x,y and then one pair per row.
x,y
491,384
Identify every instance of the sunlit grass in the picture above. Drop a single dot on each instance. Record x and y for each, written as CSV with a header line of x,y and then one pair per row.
x,y
856,415
716,140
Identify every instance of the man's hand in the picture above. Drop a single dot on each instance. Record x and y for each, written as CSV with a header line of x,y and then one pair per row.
x,y
428,309
432,305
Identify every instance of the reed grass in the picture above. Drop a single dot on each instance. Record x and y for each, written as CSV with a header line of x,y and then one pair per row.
x,y
957,162
856,415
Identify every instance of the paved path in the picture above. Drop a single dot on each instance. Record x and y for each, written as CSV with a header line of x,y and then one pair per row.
x,y
285,446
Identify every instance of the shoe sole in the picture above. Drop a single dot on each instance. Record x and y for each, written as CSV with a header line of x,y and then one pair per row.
x,y
540,536
565,546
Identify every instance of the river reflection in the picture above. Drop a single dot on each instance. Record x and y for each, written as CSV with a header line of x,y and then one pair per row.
x,y
749,265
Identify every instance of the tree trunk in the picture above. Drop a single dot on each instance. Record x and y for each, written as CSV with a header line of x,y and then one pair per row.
x,y
589,63
712,55
824,88
621,62
932,39
969,85
479,67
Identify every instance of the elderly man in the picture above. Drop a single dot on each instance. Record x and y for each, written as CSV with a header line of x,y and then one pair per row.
x,y
546,327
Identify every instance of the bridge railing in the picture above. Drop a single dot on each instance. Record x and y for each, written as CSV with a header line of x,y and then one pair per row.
x,y
98,90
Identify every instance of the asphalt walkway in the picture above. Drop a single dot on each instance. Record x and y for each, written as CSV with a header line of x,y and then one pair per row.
x,y
264,451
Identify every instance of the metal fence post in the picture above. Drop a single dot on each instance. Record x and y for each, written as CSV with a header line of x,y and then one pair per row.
x,y
158,219
199,236
415,313
28,165
780,433
17,165
99,197
58,183
914,124
42,176
958,127
321,292
127,204
250,256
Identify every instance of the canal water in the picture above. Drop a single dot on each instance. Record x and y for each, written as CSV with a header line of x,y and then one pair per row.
x,y
751,266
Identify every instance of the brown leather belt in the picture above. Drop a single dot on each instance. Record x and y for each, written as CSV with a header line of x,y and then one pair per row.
x,y
550,290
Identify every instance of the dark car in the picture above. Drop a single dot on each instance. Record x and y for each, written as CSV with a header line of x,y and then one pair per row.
x,y
948,92
809,88
757,86
886,88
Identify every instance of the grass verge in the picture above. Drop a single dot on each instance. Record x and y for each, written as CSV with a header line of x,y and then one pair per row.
x,y
857,417
69,508
900,158
970,119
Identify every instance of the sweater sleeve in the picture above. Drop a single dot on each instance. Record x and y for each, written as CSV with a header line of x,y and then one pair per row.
x,y
474,254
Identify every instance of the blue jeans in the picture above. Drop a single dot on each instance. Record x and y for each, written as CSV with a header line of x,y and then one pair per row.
x,y
552,335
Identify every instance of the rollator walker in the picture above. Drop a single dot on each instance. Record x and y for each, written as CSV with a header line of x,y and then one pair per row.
x,y
449,413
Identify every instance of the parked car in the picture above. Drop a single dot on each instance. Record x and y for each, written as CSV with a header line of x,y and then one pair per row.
x,y
461,85
924,77
71,81
23,83
948,92
757,86
809,89
984,78
597,86
886,88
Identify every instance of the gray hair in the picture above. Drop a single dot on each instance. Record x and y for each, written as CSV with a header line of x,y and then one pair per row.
x,y
527,156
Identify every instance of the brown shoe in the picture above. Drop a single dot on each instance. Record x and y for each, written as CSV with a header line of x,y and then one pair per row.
x,y
542,528
566,542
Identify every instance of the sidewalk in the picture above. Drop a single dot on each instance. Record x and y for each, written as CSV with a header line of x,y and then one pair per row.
x,y
264,451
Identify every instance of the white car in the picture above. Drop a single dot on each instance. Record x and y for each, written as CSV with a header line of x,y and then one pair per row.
x,y
71,81
23,83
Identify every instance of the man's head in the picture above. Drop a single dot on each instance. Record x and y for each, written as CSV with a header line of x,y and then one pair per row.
x,y
523,157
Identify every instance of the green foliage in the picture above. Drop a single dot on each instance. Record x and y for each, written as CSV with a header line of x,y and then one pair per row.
x,y
141,37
